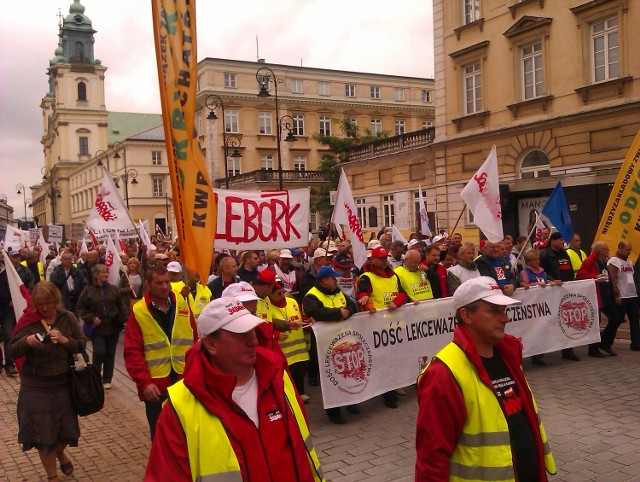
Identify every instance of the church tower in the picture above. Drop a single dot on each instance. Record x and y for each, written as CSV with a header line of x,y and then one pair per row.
x,y
74,114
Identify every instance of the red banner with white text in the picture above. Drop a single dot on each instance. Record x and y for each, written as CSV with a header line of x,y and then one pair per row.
x,y
262,219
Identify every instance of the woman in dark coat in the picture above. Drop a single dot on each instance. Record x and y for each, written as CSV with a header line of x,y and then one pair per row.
x,y
46,339
102,310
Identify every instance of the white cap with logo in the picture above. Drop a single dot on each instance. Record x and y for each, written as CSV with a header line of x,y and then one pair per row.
x,y
242,291
228,314
174,267
481,288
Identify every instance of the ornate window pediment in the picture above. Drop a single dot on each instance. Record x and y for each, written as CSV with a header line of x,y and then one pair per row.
x,y
527,24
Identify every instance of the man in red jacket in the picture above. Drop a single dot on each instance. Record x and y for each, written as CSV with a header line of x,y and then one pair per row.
x,y
236,415
477,418
160,329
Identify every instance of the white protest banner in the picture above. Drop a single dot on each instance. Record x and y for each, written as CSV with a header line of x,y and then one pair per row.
x,y
34,234
13,238
52,233
109,213
370,354
255,219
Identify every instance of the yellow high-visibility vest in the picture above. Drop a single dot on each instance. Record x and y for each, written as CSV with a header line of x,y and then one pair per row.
x,y
483,452
200,300
415,283
337,300
384,290
294,346
211,455
161,353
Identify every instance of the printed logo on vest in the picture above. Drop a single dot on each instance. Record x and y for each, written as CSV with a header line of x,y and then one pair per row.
x,y
576,316
347,362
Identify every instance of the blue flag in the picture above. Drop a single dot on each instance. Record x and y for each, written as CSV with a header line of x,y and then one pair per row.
x,y
557,211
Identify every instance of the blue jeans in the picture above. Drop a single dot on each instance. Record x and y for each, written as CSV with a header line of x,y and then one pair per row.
x,y
7,324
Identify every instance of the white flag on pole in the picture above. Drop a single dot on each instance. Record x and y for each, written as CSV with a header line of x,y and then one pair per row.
x,y
19,294
482,196
13,238
83,246
344,212
144,236
109,212
44,248
113,263
424,216
397,235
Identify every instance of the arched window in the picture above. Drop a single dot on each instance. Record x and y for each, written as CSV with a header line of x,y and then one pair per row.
x,y
82,91
79,52
534,164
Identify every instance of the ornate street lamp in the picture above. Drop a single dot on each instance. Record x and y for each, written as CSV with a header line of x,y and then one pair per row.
x,y
213,102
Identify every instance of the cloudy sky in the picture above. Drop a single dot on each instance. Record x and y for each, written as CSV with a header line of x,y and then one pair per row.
x,y
335,34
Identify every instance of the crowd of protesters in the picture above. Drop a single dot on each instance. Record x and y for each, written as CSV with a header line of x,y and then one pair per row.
x,y
158,301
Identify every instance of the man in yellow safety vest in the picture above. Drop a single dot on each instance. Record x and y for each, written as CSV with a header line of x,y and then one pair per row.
x,y
477,419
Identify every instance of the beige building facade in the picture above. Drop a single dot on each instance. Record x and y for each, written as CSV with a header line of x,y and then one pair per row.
x,y
309,102
554,85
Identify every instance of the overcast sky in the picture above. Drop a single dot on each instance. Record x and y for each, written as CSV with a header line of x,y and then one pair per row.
x,y
359,36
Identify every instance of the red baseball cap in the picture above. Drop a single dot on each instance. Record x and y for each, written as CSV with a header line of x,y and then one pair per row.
x,y
378,252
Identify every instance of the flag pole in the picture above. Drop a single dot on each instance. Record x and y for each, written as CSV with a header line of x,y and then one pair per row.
x,y
458,221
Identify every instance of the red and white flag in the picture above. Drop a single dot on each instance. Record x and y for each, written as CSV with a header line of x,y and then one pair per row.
x,y
112,262
19,294
94,240
345,213
144,236
119,244
482,196
424,215
109,213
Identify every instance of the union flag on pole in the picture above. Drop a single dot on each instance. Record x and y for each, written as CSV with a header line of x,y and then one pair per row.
x,y
109,213
344,213
482,196
424,215
194,204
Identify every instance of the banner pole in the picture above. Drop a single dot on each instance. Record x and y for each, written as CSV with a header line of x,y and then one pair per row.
x,y
459,217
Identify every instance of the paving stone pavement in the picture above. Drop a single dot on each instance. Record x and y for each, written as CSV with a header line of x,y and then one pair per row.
x,y
591,411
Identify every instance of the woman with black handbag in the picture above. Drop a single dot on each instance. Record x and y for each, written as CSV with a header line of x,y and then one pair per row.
x,y
102,310
45,339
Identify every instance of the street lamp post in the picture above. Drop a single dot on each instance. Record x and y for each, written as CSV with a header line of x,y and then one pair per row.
x,y
22,190
213,102
264,76
128,173
53,192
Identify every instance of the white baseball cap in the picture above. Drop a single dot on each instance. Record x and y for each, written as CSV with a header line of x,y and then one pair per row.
x,y
228,314
481,288
241,291
319,253
438,238
286,253
412,243
373,243
174,267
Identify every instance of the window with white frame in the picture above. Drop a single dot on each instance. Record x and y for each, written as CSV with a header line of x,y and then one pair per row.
x,y
376,126
349,90
325,125
388,210
361,211
398,93
266,162
534,165
425,95
299,162
296,86
230,80
298,124
233,166
324,88
375,92
157,186
532,75
264,123
231,121
604,41
399,127
471,10
83,145
156,158
472,88
427,124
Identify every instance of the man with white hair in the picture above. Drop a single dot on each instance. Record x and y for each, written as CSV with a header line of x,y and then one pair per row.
x,y
236,396
477,418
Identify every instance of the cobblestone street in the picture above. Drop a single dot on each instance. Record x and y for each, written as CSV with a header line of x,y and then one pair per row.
x,y
591,410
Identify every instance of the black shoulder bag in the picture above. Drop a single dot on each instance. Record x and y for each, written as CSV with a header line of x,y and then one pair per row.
x,y
87,392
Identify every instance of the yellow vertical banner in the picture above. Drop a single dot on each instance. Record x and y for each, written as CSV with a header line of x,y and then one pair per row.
x,y
174,27
621,218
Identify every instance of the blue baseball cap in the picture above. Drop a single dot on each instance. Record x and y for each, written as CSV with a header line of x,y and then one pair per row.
x,y
327,271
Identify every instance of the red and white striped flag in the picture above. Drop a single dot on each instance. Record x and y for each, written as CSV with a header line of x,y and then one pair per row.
x,y
19,294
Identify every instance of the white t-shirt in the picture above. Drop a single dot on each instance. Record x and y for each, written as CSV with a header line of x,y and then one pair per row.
x,y
246,396
625,277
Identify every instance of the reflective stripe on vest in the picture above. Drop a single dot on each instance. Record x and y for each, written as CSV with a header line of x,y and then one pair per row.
x,y
415,283
485,435
294,346
211,455
336,300
159,353
383,290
